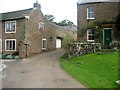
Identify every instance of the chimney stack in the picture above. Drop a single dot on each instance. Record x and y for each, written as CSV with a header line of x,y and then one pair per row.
x,y
37,5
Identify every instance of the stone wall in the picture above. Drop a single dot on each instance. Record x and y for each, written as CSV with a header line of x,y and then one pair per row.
x,y
20,30
78,49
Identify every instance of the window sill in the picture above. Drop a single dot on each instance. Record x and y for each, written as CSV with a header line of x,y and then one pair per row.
x,y
90,18
43,48
10,32
90,40
10,50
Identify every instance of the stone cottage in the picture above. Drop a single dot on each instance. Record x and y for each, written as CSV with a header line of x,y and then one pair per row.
x,y
89,11
27,32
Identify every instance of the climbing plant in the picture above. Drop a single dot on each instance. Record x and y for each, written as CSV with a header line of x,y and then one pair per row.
x,y
97,26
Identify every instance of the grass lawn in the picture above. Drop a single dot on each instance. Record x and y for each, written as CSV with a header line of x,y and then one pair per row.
x,y
93,70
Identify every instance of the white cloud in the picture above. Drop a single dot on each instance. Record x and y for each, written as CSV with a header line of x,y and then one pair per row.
x,y
59,8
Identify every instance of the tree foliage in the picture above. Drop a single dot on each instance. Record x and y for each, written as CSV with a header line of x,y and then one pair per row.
x,y
65,23
66,41
49,18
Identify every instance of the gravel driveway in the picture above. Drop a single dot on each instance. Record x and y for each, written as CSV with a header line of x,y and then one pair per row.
x,y
39,71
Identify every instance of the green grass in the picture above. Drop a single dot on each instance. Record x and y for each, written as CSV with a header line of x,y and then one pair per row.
x,y
92,70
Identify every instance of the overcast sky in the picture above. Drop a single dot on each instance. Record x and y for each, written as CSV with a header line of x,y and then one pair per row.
x,y
61,9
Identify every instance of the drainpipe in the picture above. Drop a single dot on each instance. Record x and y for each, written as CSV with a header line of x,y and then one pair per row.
x,y
26,35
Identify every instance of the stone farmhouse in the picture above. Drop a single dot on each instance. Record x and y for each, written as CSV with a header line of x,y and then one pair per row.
x,y
89,11
27,32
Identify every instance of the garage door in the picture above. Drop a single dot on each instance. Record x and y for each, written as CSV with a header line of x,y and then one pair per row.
x,y
58,43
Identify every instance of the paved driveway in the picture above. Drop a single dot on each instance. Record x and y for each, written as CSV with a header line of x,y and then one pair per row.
x,y
39,71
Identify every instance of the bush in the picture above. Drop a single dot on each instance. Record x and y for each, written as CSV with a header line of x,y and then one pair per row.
x,y
115,45
9,57
66,41
15,53
98,30
16,57
4,55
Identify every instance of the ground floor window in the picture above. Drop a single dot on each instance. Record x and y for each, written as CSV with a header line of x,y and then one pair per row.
x,y
44,43
90,35
10,44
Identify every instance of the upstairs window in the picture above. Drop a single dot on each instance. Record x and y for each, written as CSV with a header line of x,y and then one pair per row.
x,y
41,26
91,13
90,35
10,27
10,44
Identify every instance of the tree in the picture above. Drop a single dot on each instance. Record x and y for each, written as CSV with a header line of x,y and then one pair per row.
x,y
65,22
66,41
49,18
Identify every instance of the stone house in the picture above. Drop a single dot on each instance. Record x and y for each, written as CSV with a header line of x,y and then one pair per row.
x,y
27,32
89,11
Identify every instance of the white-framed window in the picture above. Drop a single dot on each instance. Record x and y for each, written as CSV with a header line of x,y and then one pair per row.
x,y
90,35
44,43
91,13
10,27
41,25
10,45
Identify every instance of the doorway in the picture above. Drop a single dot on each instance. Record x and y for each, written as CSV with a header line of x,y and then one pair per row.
x,y
107,37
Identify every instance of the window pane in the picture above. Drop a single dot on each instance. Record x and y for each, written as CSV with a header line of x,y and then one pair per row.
x,y
90,31
92,15
7,45
7,27
41,26
92,37
10,26
91,9
90,34
10,45
43,43
10,29
13,45
13,26
90,12
89,15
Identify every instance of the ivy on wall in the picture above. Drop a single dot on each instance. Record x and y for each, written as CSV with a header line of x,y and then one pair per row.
x,y
97,26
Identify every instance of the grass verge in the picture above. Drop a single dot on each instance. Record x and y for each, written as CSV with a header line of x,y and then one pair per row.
x,y
93,70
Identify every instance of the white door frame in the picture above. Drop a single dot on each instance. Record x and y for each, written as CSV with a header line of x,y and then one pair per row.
x,y
104,32
59,42
44,39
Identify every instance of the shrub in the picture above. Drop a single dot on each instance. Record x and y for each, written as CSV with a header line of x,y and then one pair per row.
x,y
15,53
16,57
4,55
115,45
9,57
97,26
66,41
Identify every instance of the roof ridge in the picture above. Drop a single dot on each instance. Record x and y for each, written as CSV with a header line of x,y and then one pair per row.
x,y
91,1
17,11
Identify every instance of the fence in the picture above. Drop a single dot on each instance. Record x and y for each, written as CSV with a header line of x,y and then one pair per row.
x,y
77,49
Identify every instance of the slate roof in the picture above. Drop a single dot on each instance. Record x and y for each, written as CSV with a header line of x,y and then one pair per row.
x,y
16,14
94,1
